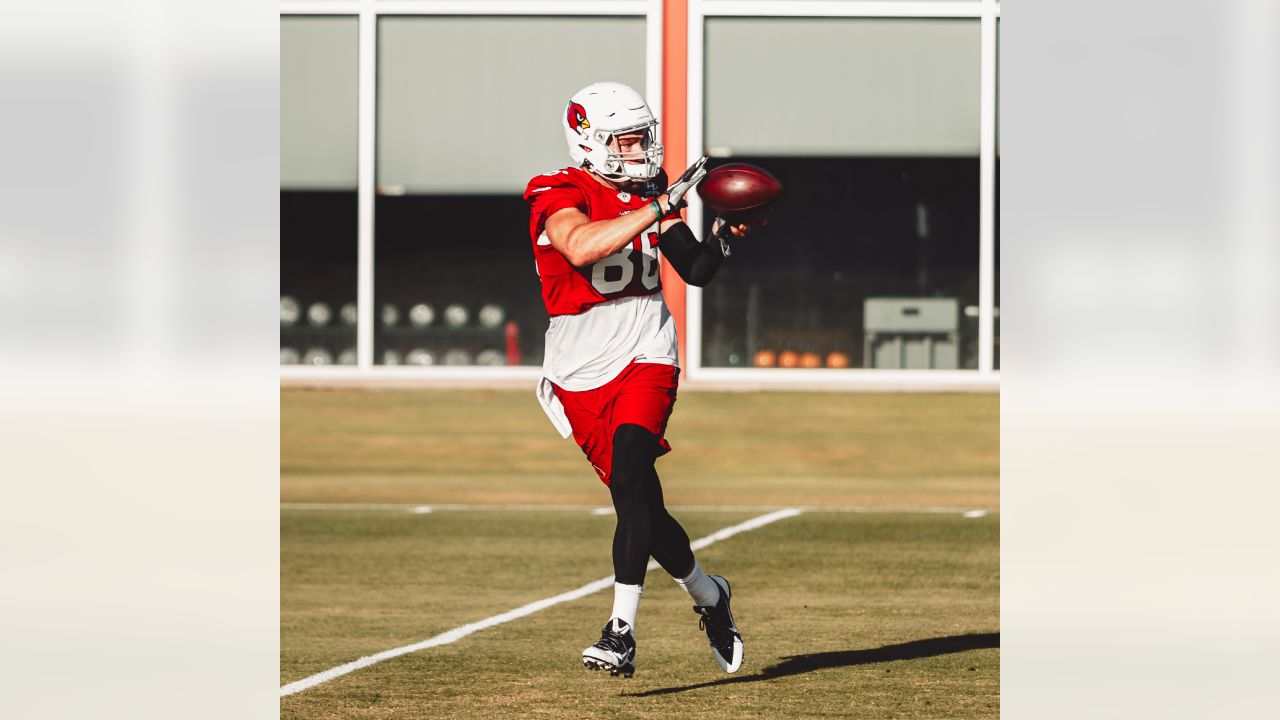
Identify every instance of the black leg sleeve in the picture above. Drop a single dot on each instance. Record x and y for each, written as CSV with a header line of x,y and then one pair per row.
x,y
670,542
634,450
696,262
644,527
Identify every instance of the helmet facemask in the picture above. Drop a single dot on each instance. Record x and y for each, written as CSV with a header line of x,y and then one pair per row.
x,y
635,165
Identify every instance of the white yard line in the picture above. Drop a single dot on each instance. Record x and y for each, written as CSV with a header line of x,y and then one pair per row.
x,y
417,507
421,508
458,633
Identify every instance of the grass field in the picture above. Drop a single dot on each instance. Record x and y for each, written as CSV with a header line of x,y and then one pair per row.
x,y
845,614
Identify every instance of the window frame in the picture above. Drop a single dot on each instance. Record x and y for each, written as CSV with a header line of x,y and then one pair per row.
x,y
985,376
368,13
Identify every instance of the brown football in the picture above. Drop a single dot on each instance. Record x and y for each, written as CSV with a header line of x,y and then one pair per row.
x,y
738,188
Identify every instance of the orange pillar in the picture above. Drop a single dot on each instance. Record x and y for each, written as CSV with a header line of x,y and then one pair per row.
x,y
675,64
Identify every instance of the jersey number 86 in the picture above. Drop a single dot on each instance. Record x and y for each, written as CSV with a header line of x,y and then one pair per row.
x,y
625,261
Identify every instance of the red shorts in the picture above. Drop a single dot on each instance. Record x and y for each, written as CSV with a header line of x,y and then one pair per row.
x,y
642,394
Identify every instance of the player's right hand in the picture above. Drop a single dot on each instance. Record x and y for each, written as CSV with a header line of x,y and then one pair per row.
x,y
676,193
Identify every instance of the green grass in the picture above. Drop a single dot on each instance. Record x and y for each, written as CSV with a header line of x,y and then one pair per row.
x,y
851,615
831,588
889,450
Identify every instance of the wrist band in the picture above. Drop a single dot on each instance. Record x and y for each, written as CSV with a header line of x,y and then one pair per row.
x,y
657,209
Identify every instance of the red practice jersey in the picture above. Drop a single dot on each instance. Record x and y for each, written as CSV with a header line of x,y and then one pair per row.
x,y
632,271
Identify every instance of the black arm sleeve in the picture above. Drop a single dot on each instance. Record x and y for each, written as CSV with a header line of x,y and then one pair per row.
x,y
696,262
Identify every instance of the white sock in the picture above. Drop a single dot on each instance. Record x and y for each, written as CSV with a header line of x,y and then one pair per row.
x,y
626,601
700,587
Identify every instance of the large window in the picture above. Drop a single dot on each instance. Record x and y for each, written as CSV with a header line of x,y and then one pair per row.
x,y
407,140
871,257
318,62
468,112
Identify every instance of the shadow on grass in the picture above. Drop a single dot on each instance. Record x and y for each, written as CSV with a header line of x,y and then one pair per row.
x,y
799,664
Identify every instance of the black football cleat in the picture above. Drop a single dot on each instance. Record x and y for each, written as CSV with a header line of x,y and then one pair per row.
x,y
722,633
615,652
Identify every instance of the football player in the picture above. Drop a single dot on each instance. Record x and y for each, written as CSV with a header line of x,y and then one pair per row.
x,y
600,230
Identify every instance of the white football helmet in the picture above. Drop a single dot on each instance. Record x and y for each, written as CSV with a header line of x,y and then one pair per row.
x,y
599,112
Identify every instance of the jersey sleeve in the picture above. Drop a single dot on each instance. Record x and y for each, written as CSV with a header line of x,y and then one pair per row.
x,y
550,193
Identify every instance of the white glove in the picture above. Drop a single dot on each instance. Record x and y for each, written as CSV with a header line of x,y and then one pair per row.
x,y
676,193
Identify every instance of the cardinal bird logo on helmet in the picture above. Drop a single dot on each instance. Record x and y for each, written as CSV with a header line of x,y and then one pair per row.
x,y
578,117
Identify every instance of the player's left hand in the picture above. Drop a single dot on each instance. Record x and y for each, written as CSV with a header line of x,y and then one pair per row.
x,y
737,226
725,229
